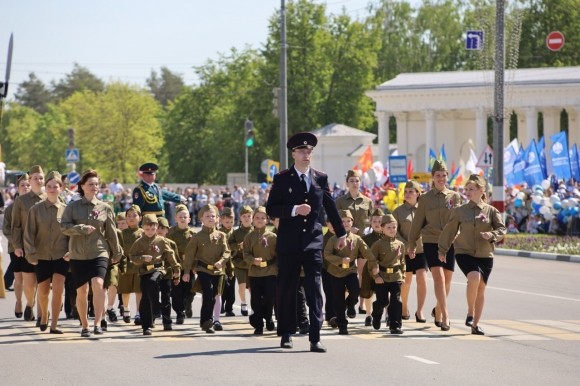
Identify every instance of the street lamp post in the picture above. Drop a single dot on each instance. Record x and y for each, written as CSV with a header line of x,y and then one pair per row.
x,y
283,90
498,193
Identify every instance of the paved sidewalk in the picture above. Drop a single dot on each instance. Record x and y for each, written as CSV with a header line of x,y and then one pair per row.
x,y
538,255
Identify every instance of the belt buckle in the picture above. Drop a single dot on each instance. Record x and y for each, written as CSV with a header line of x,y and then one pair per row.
x,y
210,267
345,266
263,264
390,270
149,267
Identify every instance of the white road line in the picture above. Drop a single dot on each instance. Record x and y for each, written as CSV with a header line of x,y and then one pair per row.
x,y
422,360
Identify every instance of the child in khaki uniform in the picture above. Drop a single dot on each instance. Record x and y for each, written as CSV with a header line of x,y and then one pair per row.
x,y
387,267
227,220
236,244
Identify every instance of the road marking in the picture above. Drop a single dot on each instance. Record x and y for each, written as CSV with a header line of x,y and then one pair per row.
x,y
537,330
557,324
422,360
521,292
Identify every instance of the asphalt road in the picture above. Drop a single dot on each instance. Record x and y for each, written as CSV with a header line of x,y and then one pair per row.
x,y
531,320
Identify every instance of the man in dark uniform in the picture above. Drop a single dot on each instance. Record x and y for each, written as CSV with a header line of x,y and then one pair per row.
x,y
148,196
296,198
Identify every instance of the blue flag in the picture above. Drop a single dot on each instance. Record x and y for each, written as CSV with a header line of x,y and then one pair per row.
x,y
574,163
542,150
509,160
560,156
519,166
432,158
443,155
533,171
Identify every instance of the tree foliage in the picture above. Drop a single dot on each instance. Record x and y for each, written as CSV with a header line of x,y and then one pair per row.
x,y
79,79
166,87
33,93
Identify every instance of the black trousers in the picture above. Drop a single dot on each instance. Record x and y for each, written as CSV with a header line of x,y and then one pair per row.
x,y
165,288
301,311
70,295
328,295
149,304
389,293
262,300
229,294
288,277
339,285
178,294
209,286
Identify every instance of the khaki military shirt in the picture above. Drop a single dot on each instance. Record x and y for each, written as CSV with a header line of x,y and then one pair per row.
x,y
7,226
162,254
230,263
261,243
235,241
128,238
43,239
432,214
361,209
389,255
22,205
206,248
181,237
470,220
355,248
103,242
404,215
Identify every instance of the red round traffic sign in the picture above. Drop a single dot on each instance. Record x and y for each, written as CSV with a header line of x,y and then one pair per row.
x,y
555,41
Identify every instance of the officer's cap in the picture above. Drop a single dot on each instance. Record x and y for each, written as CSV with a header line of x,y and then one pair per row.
x,y
227,212
205,208
54,175
345,213
477,179
352,173
377,212
163,222
35,169
134,208
246,209
412,184
302,140
387,219
149,168
439,166
149,219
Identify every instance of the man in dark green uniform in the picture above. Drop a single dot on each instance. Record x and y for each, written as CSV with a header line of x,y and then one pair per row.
x,y
148,196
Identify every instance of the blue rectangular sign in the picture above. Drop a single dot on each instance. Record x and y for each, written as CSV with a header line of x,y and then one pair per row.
x,y
398,168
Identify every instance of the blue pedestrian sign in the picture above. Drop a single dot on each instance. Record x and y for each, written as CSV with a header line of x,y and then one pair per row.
x,y
273,169
73,177
474,40
72,155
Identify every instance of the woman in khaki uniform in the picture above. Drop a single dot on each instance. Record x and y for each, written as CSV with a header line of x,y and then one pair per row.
x,y
23,185
260,254
361,208
90,224
431,215
207,252
480,226
46,248
417,265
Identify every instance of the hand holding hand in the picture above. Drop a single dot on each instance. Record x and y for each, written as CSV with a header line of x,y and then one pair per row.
x,y
303,210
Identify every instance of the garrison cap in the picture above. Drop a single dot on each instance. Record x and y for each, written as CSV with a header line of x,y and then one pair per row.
x,y
150,219
246,209
439,166
302,140
134,208
345,213
149,168
377,212
260,209
227,212
205,208
163,222
479,180
387,219
181,208
412,184
54,175
352,173
21,177
120,216
35,169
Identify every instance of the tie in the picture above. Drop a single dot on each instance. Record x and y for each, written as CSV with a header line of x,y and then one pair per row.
x,y
303,181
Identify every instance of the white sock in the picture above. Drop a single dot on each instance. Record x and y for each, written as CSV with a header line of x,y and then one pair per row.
x,y
217,307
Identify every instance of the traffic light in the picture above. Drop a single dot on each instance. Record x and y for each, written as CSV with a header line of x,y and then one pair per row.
x,y
249,139
71,138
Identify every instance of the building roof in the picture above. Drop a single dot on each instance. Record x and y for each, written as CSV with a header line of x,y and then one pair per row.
x,y
460,79
339,130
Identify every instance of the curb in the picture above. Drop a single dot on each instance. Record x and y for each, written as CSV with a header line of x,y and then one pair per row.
x,y
538,255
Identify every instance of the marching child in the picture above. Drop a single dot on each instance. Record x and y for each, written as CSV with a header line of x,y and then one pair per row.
x,y
168,279
129,281
236,244
227,220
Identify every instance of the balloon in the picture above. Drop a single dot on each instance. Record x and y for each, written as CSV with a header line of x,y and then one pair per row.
x,y
518,202
574,211
264,185
554,198
521,195
544,210
565,204
557,205
537,187
515,192
548,216
536,207
573,202
537,199
545,184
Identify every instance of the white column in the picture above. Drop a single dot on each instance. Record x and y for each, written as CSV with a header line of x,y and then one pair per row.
x,y
402,132
480,130
574,125
531,125
384,141
551,122
429,134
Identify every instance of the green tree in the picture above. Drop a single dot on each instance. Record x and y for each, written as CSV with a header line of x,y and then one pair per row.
x,y
33,93
79,79
116,130
166,87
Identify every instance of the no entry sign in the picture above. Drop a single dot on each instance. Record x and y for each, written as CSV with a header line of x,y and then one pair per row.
x,y
555,41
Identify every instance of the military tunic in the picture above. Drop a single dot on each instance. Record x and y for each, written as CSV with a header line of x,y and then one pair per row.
x,y
229,290
404,215
181,295
129,280
240,265
360,207
150,198
43,239
366,284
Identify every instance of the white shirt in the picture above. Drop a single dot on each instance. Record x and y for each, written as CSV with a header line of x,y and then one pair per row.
x,y
306,179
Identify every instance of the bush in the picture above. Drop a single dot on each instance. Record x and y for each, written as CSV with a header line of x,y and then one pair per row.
x,y
564,245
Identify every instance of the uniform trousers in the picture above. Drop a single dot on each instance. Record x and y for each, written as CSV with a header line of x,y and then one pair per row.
x,y
209,286
339,285
301,311
149,304
229,294
178,294
165,288
328,295
262,300
389,293
288,277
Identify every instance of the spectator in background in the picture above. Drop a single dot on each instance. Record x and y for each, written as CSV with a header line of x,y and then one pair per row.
x,y
238,201
115,187
512,226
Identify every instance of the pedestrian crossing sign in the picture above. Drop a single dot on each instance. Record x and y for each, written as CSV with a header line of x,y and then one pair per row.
x,y
72,155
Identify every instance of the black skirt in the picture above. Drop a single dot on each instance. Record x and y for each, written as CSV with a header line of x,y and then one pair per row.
x,y
84,270
432,254
468,263
46,268
419,262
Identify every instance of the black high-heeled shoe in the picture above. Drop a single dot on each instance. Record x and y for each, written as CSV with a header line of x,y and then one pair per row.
x,y
476,330
433,312
406,317
445,327
419,320
469,321
43,327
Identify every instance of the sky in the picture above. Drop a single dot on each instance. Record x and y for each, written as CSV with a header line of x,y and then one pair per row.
x,y
125,39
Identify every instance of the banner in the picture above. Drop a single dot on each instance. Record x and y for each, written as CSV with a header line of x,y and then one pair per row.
x,y
519,166
560,156
542,151
533,170
443,155
509,160
574,163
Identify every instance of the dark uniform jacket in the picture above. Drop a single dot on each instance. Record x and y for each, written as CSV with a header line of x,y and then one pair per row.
x,y
301,233
150,198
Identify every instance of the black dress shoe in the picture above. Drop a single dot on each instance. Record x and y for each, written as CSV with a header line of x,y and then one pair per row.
x,y
369,321
56,331
351,312
376,322
361,311
469,321
304,330
445,327
286,341
217,326
104,325
419,320
147,332
317,347
396,331
437,323
230,313
259,331
477,330
270,325
167,327
18,314
333,323
342,331
43,327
